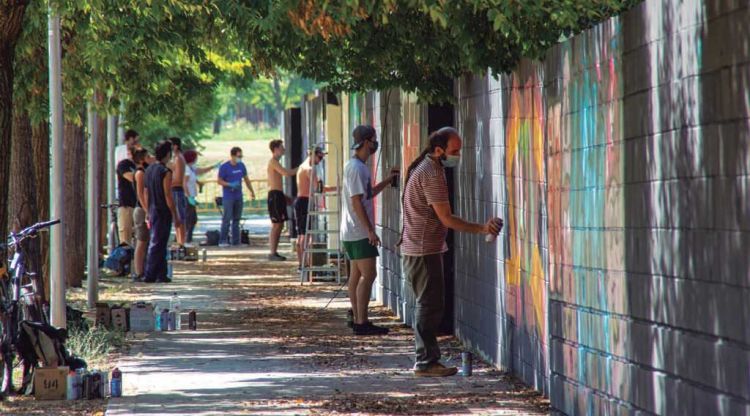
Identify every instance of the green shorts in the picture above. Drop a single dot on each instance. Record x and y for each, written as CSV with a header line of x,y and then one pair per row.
x,y
361,249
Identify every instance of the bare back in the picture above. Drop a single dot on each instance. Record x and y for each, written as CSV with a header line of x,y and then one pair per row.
x,y
178,170
275,182
303,180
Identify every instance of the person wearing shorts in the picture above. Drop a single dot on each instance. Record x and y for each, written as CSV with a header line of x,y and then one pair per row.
x,y
306,176
358,228
277,201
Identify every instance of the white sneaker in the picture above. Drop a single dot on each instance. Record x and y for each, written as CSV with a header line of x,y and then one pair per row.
x,y
224,245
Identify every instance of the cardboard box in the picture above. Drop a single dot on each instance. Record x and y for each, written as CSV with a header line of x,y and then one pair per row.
x,y
119,319
103,317
142,317
50,383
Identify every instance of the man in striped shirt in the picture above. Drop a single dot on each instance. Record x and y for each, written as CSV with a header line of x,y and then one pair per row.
x,y
427,218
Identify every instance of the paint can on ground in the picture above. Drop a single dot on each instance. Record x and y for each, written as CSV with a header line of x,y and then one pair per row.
x,y
466,358
205,255
192,320
164,318
172,320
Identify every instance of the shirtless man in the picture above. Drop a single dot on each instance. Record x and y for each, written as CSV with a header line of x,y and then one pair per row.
x,y
178,191
276,198
306,172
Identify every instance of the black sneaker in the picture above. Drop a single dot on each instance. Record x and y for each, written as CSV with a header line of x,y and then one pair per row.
x,y
369,329
276,257
350,318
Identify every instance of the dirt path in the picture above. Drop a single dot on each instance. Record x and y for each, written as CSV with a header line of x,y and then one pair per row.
x,y
265,345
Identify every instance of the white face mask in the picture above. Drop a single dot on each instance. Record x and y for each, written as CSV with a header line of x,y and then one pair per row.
x,y
450,161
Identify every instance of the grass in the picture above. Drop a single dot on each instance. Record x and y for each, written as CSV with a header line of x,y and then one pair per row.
x,y
95,345
244,131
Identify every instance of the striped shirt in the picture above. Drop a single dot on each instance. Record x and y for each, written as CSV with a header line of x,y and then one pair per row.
x,y
423,233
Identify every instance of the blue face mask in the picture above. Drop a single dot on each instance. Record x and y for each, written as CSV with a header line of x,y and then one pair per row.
x,y
450,161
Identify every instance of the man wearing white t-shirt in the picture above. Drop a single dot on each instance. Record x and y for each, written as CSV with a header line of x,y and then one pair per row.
x,y
131,142
358,227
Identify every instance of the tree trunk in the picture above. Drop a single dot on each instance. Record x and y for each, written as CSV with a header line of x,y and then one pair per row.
x,y
40,156
11,22
22,201
75,203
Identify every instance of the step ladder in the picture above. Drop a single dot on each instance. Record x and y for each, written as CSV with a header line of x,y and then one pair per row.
x,y
322,255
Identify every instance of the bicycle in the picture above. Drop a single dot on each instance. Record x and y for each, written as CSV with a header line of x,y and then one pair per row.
x,y
113,233
21,298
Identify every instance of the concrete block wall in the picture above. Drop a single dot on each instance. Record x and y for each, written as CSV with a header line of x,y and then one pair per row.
x,y
501,287
621,165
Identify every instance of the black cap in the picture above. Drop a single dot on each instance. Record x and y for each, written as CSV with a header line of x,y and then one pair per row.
x,y
361,134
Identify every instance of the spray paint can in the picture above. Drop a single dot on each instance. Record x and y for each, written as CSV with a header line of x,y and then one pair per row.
x,y
466,359
205,255
394,182
164,318
490,238
192,320
172,320
115,386
71,382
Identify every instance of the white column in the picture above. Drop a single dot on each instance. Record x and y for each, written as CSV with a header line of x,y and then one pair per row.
x,y
92,218
57,170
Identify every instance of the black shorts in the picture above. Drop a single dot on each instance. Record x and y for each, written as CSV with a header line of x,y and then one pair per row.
x,y
277,207
300,212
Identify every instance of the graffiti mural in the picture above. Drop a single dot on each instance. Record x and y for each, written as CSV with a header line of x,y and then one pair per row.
x,y
525,185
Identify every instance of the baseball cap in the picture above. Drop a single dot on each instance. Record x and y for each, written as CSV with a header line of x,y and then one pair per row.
x,y
361,134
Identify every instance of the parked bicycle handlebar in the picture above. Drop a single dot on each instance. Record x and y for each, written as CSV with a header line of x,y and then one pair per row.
x,y
29,231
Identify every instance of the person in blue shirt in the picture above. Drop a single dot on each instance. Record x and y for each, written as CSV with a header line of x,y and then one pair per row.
x,y
231,176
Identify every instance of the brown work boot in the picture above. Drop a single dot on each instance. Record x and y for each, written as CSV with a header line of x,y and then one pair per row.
x,y
435,370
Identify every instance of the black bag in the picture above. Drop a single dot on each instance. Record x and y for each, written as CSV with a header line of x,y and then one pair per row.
x,y
43,343
212,238
245,237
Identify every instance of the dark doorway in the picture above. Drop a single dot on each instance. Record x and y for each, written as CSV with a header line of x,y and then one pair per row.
x,y
439,116
295,138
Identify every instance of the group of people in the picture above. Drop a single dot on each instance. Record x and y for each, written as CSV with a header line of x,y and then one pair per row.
x,y
154,192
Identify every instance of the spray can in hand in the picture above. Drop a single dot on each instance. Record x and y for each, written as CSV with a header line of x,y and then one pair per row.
x,y
490,238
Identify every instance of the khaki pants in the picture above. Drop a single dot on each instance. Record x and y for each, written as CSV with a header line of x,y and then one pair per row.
x,y
125,224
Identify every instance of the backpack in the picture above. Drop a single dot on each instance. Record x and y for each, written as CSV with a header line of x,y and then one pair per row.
x,y
212,238
119,260
43,343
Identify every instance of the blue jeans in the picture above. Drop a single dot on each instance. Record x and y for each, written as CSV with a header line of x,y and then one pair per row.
x,y
233,213
156,260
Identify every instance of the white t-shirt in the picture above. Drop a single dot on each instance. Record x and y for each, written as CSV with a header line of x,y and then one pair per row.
x,y
357,181
192,182
121,153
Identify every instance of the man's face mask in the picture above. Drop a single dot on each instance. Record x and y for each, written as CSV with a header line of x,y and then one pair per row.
x,y
374,147
449,161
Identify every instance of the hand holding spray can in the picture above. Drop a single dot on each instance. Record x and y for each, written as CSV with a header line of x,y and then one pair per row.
x,y
492,237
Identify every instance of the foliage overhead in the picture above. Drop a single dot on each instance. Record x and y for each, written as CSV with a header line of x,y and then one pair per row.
x,y
417,45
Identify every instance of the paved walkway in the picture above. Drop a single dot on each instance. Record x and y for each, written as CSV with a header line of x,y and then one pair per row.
x,y
265,345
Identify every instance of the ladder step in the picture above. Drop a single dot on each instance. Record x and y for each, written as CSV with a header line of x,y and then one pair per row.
x,y
322,213
322,250
320,269
319,232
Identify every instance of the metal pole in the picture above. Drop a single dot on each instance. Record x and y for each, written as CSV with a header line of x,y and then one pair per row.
x,y
57,171
92,254
111,142
121,124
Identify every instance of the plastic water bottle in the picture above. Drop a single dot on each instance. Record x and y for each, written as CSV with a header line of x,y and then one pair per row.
x,y
176,305
169,264
116,383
